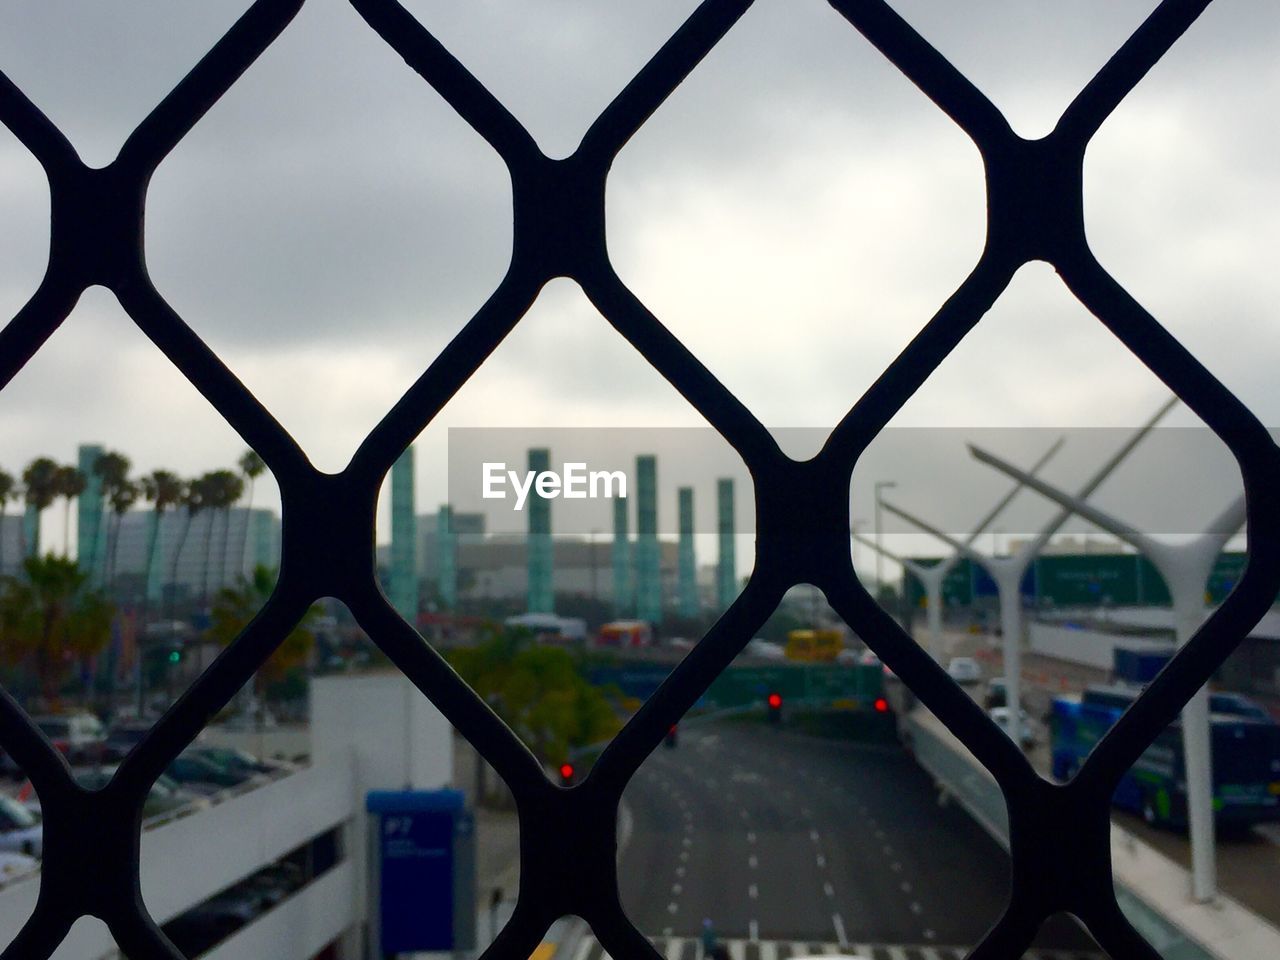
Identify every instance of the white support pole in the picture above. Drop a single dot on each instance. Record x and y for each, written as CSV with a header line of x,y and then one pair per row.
x,y
1185,568
1007,572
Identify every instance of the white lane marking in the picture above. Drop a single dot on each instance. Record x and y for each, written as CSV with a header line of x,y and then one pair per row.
x,y
839,925
672,908
745,815
822,861
751,836
906,886
916,908
684,855
813,835
929,935
584,948
666,931
896,867
828,889
752,861
675,946
754,929
676,889
887,850
680,871
687,842
753,892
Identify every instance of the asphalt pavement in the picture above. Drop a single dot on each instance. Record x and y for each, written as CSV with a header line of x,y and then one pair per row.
x,y
777,836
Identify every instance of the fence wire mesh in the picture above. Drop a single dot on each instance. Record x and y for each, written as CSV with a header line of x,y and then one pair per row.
x,y
1059,832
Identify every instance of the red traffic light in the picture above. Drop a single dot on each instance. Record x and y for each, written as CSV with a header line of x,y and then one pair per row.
x,y
774,701
881,705
566,771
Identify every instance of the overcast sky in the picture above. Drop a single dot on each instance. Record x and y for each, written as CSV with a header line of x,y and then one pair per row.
x,y
795,213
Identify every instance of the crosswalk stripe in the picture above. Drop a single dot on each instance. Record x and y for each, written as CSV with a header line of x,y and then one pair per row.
x,y
688,948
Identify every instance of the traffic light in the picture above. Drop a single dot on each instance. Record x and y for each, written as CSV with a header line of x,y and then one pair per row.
x,y
774,703
881,705
175,656
566,774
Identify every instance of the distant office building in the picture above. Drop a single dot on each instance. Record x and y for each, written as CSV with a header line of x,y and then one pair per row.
x,y
497,568
12,543
200,554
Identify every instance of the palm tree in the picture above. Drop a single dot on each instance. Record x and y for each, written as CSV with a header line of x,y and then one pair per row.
x,y
252,467
162,489
50,617
193,500
8,488
70,483
41,483
222,489
123,495
112,469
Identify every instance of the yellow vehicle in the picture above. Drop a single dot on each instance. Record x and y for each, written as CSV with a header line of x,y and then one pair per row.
x,y
814,646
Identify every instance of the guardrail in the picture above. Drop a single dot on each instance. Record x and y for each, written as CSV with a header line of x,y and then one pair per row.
x,y
968,783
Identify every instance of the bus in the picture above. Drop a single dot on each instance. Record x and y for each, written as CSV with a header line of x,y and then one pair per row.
x,y
1245,749
814,646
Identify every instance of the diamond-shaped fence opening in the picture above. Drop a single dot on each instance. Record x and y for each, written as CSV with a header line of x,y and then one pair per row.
x,y
142,559
1035,211
380,245
638,542
237,786
801,222
793,818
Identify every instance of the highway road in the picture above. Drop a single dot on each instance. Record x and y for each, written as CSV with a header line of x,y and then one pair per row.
x,y
776,836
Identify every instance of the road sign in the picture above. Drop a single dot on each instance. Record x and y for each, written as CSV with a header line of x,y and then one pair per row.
x,y
422,880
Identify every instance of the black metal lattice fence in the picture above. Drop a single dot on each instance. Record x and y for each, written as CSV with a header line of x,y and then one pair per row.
x,y
1059,832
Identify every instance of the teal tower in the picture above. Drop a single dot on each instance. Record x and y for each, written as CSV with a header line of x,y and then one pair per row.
x,y
404,539
687,560
622,599
541,596
648,570
446,558
91,531
726,567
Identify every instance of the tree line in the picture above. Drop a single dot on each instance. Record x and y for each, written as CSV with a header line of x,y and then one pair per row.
x,y
56,612
44,482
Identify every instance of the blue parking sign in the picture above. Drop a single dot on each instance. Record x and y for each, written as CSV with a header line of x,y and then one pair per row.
x,y
424,874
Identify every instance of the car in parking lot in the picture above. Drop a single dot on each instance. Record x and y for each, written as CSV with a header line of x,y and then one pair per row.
x,y
78,736
1001,717
14,865
202,776
964,670
123,737
21,830
165,795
